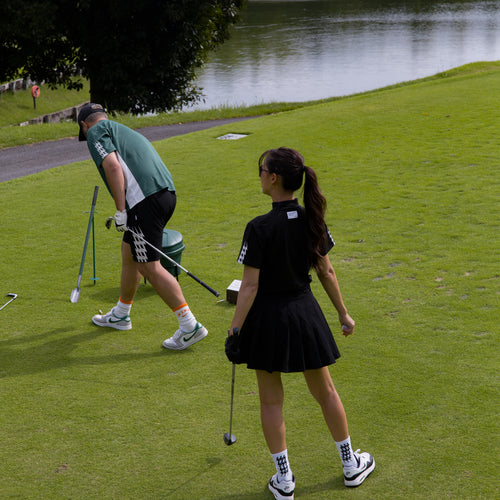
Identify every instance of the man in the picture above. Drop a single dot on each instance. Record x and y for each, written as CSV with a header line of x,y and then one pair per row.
x,y
144,195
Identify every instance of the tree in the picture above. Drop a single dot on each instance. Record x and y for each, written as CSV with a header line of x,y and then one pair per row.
x,y
139,55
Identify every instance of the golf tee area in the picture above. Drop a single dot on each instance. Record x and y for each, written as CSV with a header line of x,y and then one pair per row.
x,y
412,177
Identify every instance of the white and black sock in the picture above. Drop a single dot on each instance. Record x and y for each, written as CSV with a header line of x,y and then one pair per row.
x,y
346,454
282,465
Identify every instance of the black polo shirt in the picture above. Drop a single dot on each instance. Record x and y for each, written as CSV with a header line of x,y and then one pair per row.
x,y
276,243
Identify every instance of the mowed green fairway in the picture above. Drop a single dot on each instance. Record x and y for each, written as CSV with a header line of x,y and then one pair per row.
x,y
413,182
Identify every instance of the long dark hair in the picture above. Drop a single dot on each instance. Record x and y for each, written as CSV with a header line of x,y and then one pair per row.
x,y
289,164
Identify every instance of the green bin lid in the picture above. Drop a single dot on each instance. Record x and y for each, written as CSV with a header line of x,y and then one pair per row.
x,y
172,241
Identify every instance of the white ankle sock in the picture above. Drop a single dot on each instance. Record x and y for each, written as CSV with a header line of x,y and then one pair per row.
x,y
282,465
345,452
122,309
187,321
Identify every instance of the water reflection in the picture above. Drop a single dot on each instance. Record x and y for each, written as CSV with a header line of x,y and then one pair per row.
x,y
304,50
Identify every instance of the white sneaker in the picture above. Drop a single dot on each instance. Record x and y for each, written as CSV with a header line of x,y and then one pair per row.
x,y
181,340
354,476
113,321
282,490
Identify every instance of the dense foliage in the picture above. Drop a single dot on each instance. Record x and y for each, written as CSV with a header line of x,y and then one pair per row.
x,y
139,56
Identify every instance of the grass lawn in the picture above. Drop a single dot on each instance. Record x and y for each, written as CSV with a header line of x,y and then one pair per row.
x,y
412,178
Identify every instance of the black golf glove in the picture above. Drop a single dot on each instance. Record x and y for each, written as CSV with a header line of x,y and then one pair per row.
x,y
232,347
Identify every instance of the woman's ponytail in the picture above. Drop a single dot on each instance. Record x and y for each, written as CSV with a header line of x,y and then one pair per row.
x,y
315,205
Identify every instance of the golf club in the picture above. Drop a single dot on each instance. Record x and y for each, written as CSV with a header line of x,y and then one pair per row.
x,y
75,294
229,438
14,297
210,289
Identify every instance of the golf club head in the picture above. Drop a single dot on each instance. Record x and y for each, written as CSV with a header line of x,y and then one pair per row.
x,y
13,297
229,439
75,295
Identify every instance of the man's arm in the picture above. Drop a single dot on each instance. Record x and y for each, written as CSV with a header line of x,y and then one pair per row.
x,y
115,178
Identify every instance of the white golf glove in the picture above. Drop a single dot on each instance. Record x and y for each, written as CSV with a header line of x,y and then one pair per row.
x,y
121,221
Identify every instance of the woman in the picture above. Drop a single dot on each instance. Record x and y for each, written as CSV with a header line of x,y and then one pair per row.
x,y
278,325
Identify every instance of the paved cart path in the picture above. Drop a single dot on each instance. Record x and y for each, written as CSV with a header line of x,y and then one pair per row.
x,y
25,160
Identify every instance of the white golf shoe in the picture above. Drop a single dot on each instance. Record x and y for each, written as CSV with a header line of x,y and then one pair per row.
x,y
112,321
181,340
354,476
283,490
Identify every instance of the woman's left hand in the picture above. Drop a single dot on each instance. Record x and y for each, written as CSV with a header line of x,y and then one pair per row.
x,y
347,324
232,346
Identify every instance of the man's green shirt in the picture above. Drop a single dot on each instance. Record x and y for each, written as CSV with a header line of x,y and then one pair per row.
x,y
144,171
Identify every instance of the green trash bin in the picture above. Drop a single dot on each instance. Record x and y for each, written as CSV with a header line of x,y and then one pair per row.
x,y
172,245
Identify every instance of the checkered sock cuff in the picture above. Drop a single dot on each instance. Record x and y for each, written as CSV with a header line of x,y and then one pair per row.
x,y
282,463
345,452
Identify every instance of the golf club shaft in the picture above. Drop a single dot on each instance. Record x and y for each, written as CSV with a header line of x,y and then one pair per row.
x,y
91,217
210,289
232,399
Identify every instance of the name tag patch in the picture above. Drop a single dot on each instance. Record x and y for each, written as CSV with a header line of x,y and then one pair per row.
x,y
292,215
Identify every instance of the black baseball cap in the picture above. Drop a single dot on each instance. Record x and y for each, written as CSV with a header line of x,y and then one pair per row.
x,y
84,113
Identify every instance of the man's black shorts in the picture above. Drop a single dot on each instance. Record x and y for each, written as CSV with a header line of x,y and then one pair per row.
x,y
148,218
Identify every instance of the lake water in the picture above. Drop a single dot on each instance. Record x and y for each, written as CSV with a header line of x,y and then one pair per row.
x,y
300,50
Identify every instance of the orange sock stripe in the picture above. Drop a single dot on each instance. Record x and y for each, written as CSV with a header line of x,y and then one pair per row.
x,y
180,307
125,302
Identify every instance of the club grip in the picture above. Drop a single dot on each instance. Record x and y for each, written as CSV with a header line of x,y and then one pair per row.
x,y
96,189
209,288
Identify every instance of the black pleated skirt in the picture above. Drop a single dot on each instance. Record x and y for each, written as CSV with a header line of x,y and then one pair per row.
x,y
287,334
